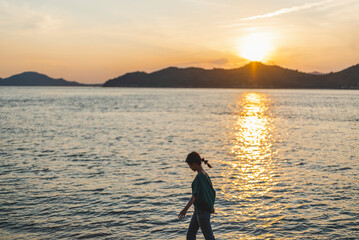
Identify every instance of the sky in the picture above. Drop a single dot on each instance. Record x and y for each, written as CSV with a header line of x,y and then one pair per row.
x,y
91,41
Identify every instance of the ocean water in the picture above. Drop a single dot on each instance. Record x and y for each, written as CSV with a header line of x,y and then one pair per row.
x,y
108,163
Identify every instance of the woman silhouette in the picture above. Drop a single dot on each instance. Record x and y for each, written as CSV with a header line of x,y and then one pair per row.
x,y
203,197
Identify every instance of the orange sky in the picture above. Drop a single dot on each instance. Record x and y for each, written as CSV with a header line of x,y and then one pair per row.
x,y
92,41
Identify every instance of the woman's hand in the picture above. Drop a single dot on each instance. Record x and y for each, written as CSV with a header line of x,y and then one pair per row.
x,y
182,214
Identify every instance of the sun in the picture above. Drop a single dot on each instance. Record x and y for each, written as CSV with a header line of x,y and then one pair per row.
x,y
255,46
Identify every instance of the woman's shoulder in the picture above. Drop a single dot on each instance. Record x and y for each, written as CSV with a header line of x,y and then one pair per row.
x,y
202,175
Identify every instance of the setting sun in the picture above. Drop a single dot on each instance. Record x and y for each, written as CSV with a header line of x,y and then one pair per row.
x,y
255,47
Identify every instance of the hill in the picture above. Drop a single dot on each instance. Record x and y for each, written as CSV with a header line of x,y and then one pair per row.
x,y
35,79
252,75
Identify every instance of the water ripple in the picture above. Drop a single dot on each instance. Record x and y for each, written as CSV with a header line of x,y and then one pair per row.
x,y
92,163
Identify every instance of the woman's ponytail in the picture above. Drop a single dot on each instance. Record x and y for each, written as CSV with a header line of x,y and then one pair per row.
x,y
206,162
194,157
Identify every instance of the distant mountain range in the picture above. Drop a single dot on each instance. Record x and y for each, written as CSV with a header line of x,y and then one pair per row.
x,y
252,75
35,79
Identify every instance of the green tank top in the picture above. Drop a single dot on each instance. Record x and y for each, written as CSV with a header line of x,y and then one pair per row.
x,y
204,192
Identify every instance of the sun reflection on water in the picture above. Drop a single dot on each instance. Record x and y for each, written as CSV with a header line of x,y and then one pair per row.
x,y
249,172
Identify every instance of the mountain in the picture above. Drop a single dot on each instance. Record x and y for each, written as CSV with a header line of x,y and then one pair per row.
x,y
252,75
348,78
35,79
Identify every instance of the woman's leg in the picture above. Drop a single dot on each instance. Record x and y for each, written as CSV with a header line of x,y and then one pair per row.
x,y
193,227
205,224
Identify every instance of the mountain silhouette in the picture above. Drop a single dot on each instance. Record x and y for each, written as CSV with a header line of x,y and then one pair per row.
x,y
35,79
252,75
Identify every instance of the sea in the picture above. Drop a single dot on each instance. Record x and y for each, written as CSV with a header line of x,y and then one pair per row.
x,y
109,163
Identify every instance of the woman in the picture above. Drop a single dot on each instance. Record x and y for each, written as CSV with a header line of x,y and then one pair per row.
x,y
203,197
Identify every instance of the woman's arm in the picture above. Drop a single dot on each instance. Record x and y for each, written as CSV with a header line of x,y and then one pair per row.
x,y
182,214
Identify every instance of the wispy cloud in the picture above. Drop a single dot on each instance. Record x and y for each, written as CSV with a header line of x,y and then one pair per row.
x,y
25,18
288,10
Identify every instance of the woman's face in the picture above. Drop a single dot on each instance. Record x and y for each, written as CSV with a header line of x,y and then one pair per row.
x,y
192,166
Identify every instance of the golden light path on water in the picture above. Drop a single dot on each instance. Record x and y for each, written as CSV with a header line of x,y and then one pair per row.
x,y
250,173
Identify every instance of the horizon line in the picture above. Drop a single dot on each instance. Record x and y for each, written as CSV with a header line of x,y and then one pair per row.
x,y
179,67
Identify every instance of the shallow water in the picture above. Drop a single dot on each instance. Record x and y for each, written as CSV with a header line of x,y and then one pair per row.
x,y
100,163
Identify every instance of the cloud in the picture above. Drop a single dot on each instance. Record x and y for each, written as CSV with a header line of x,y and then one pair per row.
x,y
288,10
341,10
206,63
221,61
24,18
227,62
321,4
